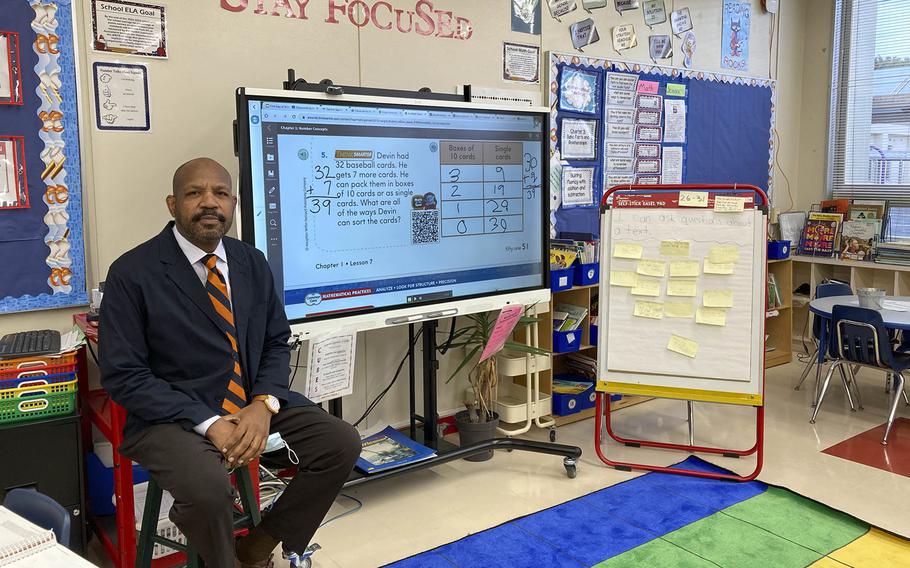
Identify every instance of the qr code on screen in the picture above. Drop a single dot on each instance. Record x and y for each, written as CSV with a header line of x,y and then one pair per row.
x,y
425,226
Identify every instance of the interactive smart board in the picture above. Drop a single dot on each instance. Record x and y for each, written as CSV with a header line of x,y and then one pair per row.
x,y
365,204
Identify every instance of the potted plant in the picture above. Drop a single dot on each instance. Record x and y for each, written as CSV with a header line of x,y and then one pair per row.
x,y
479,420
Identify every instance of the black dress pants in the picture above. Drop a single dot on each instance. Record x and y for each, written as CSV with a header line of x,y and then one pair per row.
x,y
189,467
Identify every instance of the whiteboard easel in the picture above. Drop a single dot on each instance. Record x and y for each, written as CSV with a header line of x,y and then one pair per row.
x,y
724,363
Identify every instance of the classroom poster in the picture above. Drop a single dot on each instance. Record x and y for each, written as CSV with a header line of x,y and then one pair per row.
x,y
121,96
734,44
520,63
129,28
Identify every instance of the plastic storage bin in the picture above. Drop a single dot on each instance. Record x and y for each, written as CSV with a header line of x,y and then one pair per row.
x,y
101,484
587,274
37,366
593,334
562,279
566,341
567,403
778,250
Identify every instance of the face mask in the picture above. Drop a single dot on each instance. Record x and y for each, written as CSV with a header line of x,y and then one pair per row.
x,y
276,442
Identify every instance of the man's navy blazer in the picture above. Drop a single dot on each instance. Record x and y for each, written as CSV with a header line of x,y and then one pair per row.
x,y
163,356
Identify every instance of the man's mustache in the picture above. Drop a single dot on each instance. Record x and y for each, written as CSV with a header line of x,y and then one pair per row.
x,y
198,217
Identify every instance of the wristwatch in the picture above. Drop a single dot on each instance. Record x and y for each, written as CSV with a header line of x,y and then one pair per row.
x,y
270,402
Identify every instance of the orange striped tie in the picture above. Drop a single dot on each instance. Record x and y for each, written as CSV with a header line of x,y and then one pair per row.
x,y
235,397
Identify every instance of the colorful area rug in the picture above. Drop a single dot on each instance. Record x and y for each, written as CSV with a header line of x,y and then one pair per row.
x,y
659,520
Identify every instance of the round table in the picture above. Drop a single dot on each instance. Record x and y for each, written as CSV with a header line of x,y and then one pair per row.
x,y
893,320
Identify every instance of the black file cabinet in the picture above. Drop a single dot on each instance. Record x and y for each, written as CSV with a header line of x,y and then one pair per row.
x,y
47,455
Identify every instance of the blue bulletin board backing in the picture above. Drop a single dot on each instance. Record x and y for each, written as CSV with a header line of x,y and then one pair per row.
x,y
728,129
42,251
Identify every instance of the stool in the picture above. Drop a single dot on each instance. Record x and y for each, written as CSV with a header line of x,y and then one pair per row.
x,y
148,535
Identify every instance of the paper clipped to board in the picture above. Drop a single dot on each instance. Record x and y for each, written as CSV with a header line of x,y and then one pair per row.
x,y
651,268
729,204
679,309
681,287
625,278
684,268
693,198
330,366
717,298
647,287
711,316
674,248
722,268
683,345
645,309
627,250
723,254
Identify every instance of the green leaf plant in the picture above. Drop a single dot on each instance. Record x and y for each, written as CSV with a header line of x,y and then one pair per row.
x,y
482,375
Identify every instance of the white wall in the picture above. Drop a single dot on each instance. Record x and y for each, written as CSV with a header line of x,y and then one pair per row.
x,y
213,51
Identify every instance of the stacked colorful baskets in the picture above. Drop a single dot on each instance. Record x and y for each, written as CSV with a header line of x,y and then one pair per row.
x,y
37,387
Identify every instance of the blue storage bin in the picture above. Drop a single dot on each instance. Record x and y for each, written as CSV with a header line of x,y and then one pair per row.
x,y
587,274
562,279
565,341
101,484
778,250
593,333
564,403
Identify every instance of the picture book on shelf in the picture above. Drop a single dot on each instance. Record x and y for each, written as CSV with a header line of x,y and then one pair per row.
x,y
835,206
389,449
820,234
858,239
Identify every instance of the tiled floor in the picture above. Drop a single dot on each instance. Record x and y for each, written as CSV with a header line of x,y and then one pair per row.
x,y
409,514
867,449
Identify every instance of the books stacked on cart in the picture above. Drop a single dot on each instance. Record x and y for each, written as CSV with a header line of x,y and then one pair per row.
x,y
893,253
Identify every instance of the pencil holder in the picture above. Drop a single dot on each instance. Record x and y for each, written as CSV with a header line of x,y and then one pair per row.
x,y
562,279
587,274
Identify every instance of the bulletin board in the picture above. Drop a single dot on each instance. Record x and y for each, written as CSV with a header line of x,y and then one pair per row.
x,y
727,133
683,301
41,236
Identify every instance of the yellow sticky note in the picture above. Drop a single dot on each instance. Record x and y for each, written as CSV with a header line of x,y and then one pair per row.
x,y
674,248
717,298
625,278
679,309
653,310
693,198
627,250
681,287
683,345
729,204
718,268
711,316
652,268
721,254
683,268
646,287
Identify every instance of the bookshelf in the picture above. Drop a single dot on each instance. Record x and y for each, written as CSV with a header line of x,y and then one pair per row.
x,y
779,321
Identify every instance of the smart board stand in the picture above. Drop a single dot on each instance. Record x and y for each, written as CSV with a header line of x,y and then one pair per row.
x,y
427,432
602,407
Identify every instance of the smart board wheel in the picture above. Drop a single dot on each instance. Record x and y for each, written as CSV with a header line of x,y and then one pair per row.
x,y
571,471
553,433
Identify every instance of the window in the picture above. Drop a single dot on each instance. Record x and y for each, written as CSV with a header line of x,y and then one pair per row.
x,y
869,128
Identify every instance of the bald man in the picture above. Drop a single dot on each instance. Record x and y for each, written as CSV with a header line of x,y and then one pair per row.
x,y
194,344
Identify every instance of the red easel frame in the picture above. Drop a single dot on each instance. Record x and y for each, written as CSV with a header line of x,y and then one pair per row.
x,y
601,407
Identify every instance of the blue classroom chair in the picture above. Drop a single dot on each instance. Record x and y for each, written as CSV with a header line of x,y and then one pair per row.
x,y
823,291
860,338
42,511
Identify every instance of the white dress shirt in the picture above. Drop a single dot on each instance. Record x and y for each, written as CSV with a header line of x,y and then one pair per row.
x,y
194,255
